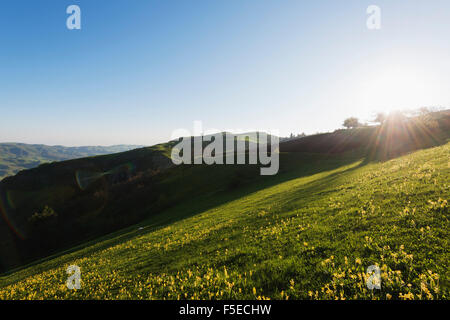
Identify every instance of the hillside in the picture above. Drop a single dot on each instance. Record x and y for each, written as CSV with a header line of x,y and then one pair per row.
x,y
60,205
19,156
387,141
309,232
330,193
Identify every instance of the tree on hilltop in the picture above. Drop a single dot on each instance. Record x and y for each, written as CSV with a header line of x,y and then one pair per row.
x,y
380,117
351,122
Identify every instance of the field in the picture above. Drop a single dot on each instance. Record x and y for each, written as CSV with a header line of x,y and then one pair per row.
x,y
305,234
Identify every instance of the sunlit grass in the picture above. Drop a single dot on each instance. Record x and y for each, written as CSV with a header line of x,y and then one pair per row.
x,y
307,238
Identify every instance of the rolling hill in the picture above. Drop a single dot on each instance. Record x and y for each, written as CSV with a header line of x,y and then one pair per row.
x,y
311,236
20,156
143,228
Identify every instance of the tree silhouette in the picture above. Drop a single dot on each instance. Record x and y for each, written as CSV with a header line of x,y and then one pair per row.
x,y
351,122
380,117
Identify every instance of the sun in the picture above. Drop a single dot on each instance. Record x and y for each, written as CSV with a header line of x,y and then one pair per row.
x,y
395,88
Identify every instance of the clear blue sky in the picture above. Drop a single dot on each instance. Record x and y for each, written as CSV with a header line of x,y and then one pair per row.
x,y
138,70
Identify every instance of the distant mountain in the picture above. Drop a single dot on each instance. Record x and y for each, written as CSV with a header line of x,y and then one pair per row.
x,y
19,156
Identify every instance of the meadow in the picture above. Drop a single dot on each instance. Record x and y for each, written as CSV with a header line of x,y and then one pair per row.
x,y
304,236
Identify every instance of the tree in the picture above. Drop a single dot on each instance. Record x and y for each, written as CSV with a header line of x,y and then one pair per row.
x,y
44,216
351,122
423,111
425,116
380,117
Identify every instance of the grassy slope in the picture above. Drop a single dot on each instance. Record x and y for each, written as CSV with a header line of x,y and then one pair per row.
x,y
19,156
135,185
307,236
128,202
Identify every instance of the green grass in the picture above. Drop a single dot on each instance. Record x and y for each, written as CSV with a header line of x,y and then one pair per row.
x,y
302,234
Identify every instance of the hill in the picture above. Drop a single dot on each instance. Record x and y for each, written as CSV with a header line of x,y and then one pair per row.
x,y
19,156
78,207
309,232
60,205
391,139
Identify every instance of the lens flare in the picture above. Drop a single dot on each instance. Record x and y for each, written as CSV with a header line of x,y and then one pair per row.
x,y
5,207
9,200
85,178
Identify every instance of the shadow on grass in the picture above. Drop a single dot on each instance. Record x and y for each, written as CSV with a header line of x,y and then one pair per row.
x,y
292,166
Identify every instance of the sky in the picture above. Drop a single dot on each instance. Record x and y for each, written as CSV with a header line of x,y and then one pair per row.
x,y
139,70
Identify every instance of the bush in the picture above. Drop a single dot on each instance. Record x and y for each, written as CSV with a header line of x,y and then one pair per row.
x,y
46,215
